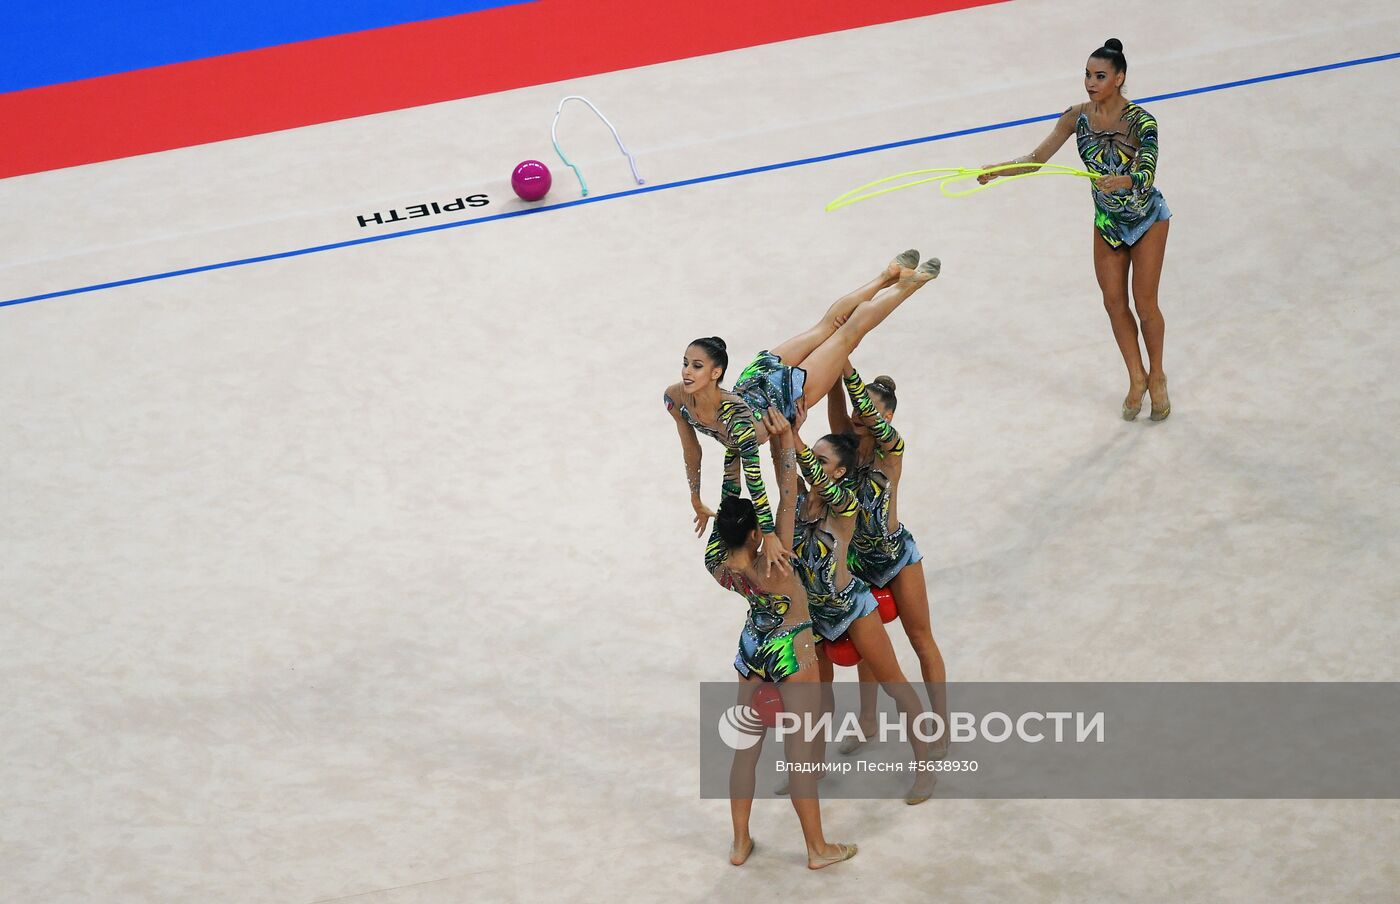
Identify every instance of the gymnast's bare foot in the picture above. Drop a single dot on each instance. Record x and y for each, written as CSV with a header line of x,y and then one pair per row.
x,y
819,858
739,852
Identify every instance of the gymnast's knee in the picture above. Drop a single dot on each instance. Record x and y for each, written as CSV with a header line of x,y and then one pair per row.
x,y
1115,303
925,647
1147,308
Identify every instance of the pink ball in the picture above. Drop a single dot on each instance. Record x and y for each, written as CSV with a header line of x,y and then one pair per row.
x,y
531,180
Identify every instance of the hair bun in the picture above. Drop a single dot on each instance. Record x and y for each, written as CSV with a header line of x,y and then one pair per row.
x,y
736,520
734,508
720,342
885,381
1113,44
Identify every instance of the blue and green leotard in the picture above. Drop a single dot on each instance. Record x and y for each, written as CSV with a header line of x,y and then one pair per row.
x,y
766,642
877,553
819,554
740,443
1129,150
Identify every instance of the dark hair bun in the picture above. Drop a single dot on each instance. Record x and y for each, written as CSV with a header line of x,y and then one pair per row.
x,y
734,508
735,520
886,382
720,342
1112,50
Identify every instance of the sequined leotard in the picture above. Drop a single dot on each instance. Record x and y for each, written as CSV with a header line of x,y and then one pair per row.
x,y
819,550
740,453
766,643
877,553
768,382
1128,150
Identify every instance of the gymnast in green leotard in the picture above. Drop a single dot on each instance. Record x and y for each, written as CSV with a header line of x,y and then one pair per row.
x,y
840,602
776,642
795,373
776,645
883,551
1117,139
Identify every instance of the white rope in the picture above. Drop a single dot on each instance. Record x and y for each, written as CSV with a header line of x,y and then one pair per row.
x,y
554,137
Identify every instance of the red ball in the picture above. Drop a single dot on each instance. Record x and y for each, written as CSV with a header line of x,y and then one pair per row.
x,y
842,651
889,610
767,702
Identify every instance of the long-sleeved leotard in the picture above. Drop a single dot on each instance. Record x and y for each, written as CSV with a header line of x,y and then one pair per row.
x,y
1130,150
740,443
877,553
767,642
837,496
833,605
888,440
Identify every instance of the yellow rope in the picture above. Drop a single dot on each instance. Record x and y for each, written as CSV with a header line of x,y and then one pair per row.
x,y
951,175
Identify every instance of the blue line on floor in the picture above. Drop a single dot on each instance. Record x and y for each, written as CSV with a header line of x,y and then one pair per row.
x,y
805,161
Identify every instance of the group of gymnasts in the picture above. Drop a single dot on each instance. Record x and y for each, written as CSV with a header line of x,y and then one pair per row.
x,y
807,571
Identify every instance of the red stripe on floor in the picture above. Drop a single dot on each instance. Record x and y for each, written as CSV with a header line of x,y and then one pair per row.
x,y
403,66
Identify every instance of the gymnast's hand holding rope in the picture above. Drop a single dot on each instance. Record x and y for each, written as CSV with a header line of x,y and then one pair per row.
x,y
1064,128
1035,162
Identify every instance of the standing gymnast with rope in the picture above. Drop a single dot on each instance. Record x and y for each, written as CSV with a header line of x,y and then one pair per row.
x,y
1117,140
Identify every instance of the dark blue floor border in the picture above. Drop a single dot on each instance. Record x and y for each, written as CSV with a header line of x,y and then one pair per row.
x,y
805,161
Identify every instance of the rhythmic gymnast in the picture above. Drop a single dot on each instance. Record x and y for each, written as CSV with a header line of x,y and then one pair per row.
x,y
839,602
795,373
1118,140
776,645
883,552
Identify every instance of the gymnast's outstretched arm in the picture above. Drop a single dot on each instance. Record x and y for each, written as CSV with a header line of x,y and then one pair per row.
x,y
836,414
743,443
837,496
889,440
691,451
780,438
1064,128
